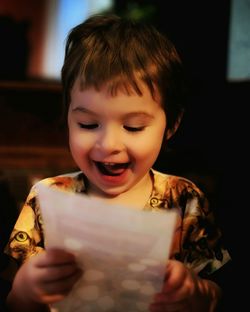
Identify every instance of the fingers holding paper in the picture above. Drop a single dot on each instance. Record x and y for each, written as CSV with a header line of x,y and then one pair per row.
x,y
49,276
179,286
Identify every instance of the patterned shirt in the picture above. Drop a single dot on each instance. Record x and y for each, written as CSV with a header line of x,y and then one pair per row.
x,y
197,240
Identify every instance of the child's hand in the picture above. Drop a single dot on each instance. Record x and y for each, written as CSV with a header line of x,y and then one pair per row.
x,y
47,277
184,291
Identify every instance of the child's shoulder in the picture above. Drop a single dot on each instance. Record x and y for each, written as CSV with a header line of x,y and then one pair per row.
x,y
176,183
72,182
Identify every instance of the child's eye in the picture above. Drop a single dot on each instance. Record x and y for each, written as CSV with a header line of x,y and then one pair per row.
x,y
133,129
87,126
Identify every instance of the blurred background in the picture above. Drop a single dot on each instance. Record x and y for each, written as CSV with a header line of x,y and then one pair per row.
x,y
213,39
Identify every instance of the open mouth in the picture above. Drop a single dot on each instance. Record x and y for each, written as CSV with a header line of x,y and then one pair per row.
x,y
111,169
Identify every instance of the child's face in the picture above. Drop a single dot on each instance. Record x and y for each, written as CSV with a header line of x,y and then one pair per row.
x,y
114,140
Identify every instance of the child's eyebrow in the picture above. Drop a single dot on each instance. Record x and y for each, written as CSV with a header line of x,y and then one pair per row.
x,y
141,114
83,110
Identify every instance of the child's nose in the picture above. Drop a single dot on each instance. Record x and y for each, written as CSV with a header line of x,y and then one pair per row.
x,y
110,141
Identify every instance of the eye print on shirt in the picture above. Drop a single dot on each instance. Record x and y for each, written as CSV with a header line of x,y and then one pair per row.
x,y
21,237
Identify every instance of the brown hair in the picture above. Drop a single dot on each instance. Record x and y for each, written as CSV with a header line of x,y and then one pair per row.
x,y
110,50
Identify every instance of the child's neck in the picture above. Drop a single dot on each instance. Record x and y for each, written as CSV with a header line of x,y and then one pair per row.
x,y
136,197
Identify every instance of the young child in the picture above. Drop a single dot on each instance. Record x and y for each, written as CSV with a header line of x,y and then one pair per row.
x,y
123,93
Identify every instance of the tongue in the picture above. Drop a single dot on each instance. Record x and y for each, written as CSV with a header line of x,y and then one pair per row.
x,y
112,170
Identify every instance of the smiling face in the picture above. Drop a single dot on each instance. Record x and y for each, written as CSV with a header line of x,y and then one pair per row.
x,y
115,139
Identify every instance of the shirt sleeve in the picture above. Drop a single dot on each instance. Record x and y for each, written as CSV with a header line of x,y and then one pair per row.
x,y
26,238
201,243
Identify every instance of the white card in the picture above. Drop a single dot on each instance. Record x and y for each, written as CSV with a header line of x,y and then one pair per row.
x,y
123,251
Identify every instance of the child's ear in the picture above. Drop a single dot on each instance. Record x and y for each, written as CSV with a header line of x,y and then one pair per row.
x,y
171,132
